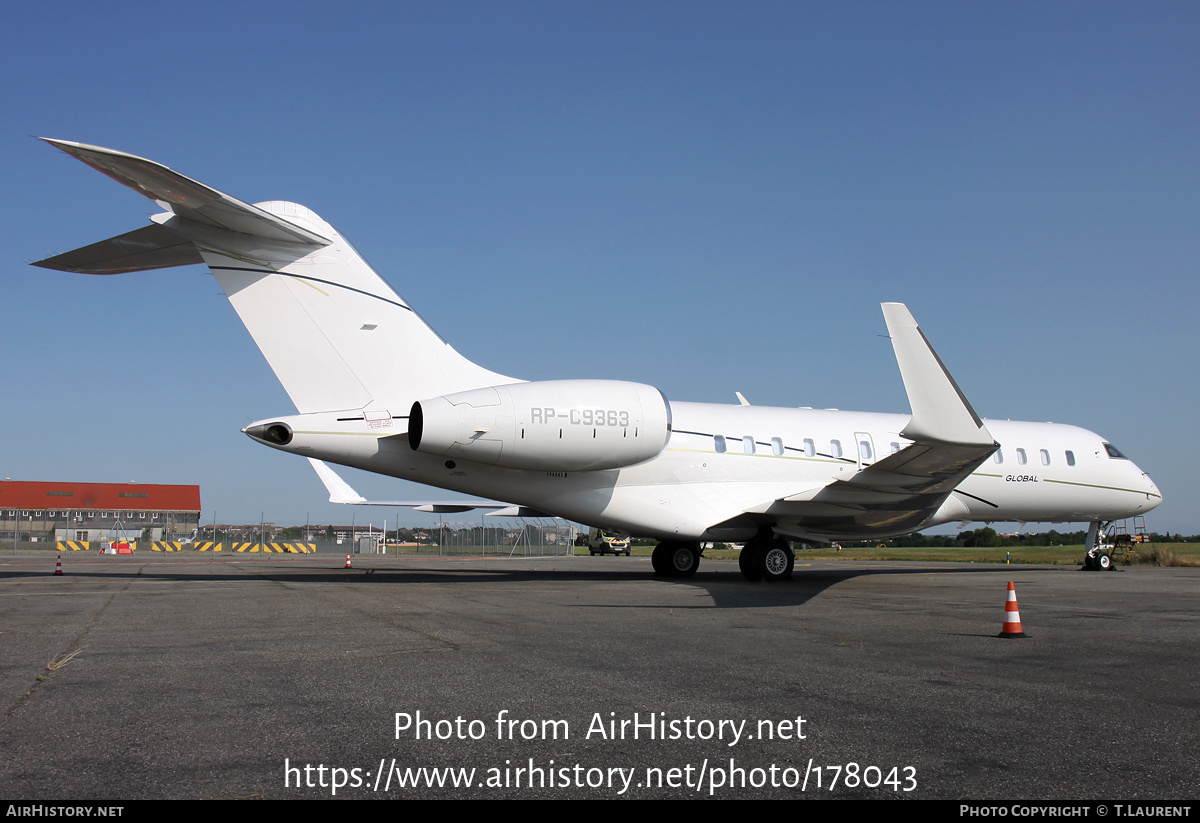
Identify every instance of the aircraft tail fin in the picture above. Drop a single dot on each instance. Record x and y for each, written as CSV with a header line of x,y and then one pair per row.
x,y
335,334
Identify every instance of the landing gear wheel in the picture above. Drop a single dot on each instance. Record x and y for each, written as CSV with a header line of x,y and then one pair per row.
x,y
775,561
675,559
746,561
1104,562
659,561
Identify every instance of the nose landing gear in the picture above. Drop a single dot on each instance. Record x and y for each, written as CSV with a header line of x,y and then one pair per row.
x,y
1099,550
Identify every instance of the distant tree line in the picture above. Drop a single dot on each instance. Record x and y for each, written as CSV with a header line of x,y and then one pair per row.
x,y
987,537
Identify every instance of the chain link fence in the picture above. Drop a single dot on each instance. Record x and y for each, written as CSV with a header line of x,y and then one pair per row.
x,y
518,537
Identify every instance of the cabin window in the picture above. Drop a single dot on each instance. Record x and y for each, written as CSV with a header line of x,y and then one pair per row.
x,y
719,443
998,456
776,447
1070,458
810,448
748,444
835,448
864,450
895,448
1021,458
1045,455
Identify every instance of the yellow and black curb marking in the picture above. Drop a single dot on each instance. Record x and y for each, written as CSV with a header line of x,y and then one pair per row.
x,y
207,546
278,548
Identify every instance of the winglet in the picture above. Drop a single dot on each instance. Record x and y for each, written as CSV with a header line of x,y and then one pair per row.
x,y
940,412
339,490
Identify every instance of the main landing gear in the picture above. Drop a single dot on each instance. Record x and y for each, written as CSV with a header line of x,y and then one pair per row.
x,y
675,558
767,557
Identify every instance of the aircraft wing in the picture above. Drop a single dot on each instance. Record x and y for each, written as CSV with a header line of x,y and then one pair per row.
x,y
341,492
894,496
904,490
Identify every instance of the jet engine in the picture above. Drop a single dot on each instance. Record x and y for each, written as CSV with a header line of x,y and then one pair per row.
x,y
552,425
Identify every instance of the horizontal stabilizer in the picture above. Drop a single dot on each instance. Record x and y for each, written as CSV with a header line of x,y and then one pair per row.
x,y
341,492
518,511
187,198
152,247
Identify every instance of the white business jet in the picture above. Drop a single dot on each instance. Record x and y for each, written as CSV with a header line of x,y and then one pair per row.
x,y
377,389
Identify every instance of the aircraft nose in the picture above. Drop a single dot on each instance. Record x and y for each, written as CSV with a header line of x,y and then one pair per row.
x,y
1154,494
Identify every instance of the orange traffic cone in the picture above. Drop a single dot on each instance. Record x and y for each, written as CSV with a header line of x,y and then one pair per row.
x,y
58,565
348,566
1012,616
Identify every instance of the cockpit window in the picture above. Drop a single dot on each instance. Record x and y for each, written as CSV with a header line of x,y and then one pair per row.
x,y
1113,451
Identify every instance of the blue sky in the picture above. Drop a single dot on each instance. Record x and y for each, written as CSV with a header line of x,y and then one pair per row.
x,y
707,197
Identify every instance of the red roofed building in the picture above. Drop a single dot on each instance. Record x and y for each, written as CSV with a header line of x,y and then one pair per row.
x,y
96,511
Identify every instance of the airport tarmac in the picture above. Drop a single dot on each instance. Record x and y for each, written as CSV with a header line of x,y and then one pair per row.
x,y
292,677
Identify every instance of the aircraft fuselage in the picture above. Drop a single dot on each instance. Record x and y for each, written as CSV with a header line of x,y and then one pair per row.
x,y
722,461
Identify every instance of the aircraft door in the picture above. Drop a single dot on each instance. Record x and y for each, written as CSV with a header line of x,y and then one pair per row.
x,y
864,449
